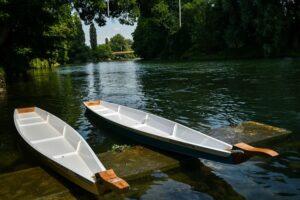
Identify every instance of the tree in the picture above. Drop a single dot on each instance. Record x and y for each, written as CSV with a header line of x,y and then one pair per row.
x,y
93,36
106,40
79,52
103,52
119,43
158,22
32,29
259,28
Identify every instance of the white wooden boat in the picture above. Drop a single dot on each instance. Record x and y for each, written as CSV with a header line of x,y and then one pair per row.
x,y
163,133
65,150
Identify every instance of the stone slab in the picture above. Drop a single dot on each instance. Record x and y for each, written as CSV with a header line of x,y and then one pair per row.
x,y
137,162
249,132
33,183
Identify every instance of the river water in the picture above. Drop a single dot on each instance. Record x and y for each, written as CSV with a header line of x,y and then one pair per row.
x,y
201,95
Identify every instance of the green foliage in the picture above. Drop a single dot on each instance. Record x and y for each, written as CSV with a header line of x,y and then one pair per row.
x,y
119,43
93,36
149,38
116,44
38,63
208,27
103,52
31,29
79,52
119,148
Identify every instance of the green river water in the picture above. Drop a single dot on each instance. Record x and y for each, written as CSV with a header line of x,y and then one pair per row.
x,y
201,95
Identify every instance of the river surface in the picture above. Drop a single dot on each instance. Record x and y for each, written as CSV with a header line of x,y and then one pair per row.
x,y
201,95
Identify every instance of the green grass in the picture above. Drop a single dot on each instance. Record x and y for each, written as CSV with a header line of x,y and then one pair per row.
x,y
119,148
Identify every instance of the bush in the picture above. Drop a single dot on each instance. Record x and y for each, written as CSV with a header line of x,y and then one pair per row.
x,y
38,63
103,52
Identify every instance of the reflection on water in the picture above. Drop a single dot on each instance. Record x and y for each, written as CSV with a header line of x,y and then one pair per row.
x,y
200,95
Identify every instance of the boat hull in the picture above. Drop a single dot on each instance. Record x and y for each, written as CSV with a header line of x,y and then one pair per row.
x,y
58,146
140,137
71,176
61,170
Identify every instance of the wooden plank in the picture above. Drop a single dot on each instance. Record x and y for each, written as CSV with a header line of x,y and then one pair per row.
x,y
26,110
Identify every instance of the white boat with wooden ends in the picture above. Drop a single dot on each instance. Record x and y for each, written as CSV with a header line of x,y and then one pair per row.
x,y
169,135
64,150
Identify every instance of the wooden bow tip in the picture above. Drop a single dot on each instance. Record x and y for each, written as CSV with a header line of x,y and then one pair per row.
x,y
248,149
112,181
92,103
26,110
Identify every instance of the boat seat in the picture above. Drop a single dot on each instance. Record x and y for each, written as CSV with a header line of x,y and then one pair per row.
x,y
149,129
46,139
55,147
31,120
39,131
28,115
122,119
33,123
138,126
100,109
110,114
104,111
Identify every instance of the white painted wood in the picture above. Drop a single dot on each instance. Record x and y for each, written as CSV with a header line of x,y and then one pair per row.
x,y
162,129
58,141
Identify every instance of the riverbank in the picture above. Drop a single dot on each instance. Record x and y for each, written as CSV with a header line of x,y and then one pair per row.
x,y
240,54
230,54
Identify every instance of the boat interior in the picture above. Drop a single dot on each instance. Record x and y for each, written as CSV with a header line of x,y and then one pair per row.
x,y
58,141
152,124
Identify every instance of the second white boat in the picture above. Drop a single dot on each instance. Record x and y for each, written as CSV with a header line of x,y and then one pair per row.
x,y
165,134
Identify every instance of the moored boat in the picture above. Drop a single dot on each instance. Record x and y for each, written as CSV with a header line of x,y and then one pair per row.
x,y
172,136
64,150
